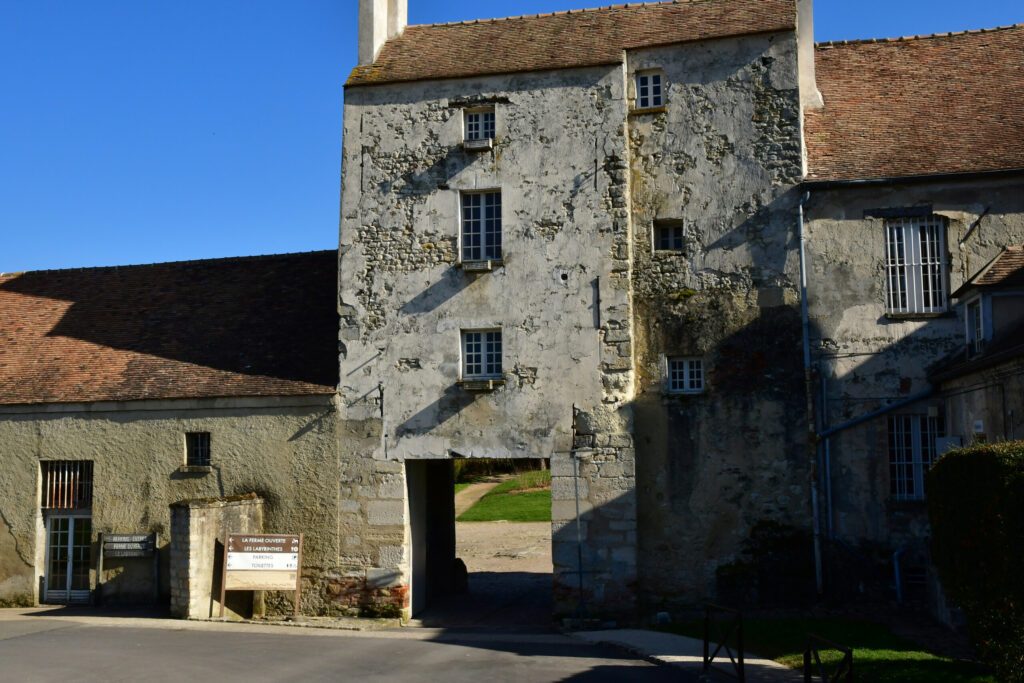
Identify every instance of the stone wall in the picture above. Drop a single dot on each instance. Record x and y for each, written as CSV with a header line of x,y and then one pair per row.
x,y
721,163
286,450
561,297
198,530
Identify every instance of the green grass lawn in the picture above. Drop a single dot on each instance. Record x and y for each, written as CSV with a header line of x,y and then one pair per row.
x,y
524,498
878,655
461,485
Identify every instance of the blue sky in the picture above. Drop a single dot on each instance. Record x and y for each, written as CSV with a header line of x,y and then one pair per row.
x,y
135,131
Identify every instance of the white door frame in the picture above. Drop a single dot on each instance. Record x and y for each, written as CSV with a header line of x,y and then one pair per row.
x,y
67,595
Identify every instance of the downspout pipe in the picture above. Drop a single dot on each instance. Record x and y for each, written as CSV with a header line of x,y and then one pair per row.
x,y
813,445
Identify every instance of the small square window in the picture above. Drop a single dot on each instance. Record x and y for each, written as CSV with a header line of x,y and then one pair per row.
x,y
197,449
481,354
650,90
668,237
685,375
480,124
481,226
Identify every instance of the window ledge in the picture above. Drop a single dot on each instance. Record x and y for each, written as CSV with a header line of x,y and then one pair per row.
x,y
663,109
919,316
484,145
195,469
480,266
482,384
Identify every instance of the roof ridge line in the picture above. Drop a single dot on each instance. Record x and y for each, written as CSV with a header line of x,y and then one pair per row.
x,y
583,10
251,257
922,36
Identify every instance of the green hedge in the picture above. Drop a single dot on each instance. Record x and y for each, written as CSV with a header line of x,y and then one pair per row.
x,y
976,508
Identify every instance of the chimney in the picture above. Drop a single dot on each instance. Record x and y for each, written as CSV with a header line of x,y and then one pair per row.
x,y
810,96
379,21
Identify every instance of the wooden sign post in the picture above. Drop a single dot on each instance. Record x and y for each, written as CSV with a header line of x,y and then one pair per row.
x,y
262,562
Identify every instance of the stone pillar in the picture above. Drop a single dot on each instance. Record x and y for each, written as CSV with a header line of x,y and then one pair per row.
x,y
595,555
198,528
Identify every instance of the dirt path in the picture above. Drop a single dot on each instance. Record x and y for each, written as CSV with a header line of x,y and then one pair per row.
x,y
468,497
504,546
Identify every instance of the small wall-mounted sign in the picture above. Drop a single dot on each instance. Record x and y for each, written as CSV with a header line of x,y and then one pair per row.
x,y
979,426
127,546
262,562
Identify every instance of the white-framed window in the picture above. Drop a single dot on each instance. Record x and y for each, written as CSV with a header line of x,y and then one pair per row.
x,y
480,124
650,91
481,354
481,226
685,375
975,322
197,449
911,453
668,237
915,264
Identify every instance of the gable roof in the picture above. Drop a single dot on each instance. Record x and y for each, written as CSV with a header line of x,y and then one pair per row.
x,y
561,40
254,326
1005,270
918,106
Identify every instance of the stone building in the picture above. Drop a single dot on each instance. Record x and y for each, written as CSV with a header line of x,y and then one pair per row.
x,y
699,263
123,390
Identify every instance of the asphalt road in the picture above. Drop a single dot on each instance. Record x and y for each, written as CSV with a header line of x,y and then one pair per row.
x,y
38,647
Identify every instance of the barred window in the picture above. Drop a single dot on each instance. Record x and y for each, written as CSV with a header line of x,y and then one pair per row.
x,y
649,90
67,484
685,375
197,449
912,451
480,124
481,354
915,260
481,226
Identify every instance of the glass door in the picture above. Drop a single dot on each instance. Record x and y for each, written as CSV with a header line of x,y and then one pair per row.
x,y
69,556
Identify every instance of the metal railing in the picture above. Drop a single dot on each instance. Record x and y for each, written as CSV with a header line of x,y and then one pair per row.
x,y
815,669
725,634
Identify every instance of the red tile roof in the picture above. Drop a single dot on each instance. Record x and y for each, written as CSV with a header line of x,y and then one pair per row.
x,y
919,106
255,326
1005,270
565,39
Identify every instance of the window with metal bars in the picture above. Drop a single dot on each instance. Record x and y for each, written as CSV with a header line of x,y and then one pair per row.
x,y
481,226
481,354
649,90
911,453
915,264
67,484
197,449
480,124
685,375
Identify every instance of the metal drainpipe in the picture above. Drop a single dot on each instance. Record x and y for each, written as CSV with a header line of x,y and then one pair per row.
x,y
813,445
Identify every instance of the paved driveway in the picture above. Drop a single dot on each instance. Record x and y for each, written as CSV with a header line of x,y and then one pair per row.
x,y
35,646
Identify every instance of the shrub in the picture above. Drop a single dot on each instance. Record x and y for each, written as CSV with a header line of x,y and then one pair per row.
x,y
976,508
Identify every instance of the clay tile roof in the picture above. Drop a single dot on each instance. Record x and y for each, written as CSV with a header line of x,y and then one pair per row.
x,y
1005,270
916,106
255,326
565,39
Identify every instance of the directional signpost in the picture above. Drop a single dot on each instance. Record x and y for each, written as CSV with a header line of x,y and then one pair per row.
x,y
262,562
